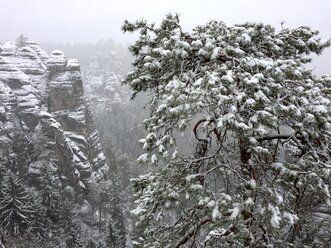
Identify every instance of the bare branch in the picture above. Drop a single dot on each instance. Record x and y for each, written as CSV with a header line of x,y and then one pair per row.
x,y
276,136
192,231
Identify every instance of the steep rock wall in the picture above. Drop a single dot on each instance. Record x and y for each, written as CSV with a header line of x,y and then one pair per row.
x,y
45,121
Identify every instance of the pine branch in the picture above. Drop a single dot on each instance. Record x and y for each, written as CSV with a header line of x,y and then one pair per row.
x,y
192,231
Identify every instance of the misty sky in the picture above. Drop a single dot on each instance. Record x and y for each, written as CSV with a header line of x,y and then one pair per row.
x,y
91,20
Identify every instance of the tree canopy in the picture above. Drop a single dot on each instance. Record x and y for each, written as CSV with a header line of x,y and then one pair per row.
x,y
261,124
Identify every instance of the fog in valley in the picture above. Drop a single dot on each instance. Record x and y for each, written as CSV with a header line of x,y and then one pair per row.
x,y
88,21
130,124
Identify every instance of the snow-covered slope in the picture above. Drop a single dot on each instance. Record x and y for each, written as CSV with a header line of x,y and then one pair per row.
x,y
45,121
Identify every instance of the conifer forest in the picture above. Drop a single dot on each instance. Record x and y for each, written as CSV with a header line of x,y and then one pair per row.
x,y
168,124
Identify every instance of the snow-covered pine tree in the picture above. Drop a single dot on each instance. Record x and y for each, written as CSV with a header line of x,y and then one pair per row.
x,y
111,237
15,208
262,125
116,228
115,236
21,41
71,230
3,172
39,225
45,224
91,244
51,203
106,199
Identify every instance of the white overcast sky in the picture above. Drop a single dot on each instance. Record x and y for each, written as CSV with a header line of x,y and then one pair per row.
x,y
91,20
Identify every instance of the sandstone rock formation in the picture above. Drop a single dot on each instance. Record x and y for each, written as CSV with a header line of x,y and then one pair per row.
x,y
45,121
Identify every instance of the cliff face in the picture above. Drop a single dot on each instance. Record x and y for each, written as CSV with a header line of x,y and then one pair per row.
x,y
45,121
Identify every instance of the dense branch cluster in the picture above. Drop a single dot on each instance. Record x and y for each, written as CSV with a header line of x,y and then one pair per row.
x,y
262,125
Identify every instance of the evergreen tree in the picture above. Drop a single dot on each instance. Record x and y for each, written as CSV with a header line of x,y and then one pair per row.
x,y
262,126
91,244
50,202
15,207
38,228
46,221
116,236
21,41
3,172
116,227
71,229
53,210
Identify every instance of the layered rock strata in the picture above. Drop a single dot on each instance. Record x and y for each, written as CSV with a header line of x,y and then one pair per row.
x,y
45,121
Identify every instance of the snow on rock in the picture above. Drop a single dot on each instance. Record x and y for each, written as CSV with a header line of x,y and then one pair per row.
x,y
57,61
43,109
41,53
73,65
8,49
